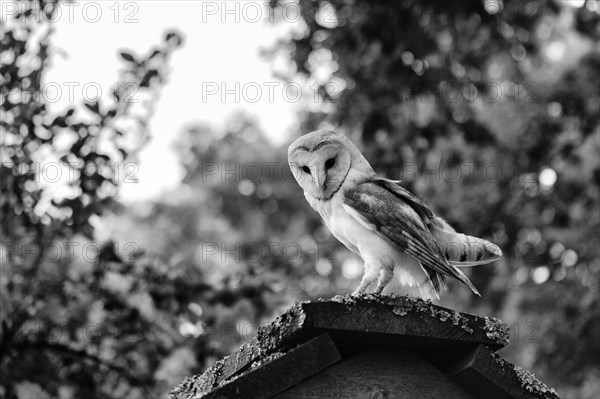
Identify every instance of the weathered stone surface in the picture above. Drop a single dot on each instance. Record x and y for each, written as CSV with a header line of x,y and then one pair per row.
x,y
368,320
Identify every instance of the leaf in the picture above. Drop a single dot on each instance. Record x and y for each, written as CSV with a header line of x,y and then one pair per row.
x,y
94,107
174,37
59,121
127,56
148,77
154,54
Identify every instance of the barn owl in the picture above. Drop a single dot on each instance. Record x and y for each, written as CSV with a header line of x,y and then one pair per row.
x,y
381,221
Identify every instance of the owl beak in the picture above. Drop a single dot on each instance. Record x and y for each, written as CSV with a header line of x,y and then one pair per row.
x,y
319,177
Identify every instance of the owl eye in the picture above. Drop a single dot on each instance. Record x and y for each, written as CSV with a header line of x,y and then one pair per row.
x,y
330,163
306,169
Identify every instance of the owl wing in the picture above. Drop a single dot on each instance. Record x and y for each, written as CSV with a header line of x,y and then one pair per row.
x,y
393,185
461,249
393,217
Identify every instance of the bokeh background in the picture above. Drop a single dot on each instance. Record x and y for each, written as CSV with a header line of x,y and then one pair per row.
x,y
150,223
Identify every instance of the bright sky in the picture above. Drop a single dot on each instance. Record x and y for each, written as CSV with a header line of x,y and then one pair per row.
x,y
222,47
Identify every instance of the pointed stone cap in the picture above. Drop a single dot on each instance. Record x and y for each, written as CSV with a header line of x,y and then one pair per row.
x,y
319,334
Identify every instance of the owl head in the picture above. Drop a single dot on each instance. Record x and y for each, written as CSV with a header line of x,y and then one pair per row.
x,y
321,161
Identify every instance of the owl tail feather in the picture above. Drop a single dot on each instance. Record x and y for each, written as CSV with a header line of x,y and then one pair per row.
x,y
465,280
438,283
460,249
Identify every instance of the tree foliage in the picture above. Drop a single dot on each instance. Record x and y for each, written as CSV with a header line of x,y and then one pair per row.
x,y
60,172
488,110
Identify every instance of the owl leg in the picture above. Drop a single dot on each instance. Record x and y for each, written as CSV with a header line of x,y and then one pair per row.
x,y
385,276
369,277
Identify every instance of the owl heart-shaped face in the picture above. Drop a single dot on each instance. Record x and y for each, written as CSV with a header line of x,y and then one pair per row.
x,y
320,162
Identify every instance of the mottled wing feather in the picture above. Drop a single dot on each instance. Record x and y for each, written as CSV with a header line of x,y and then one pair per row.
x,y
392,185
398,222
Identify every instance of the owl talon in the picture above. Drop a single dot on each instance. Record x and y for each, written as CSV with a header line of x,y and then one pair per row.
x,y
385,276
369,277
360,290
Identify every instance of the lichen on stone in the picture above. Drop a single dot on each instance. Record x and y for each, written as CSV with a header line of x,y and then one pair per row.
x,y
532,384
256,364
199,384
277,336
282,328
295,326
443,315
343,299
499,360
259,362
496,330
399,311
402,305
